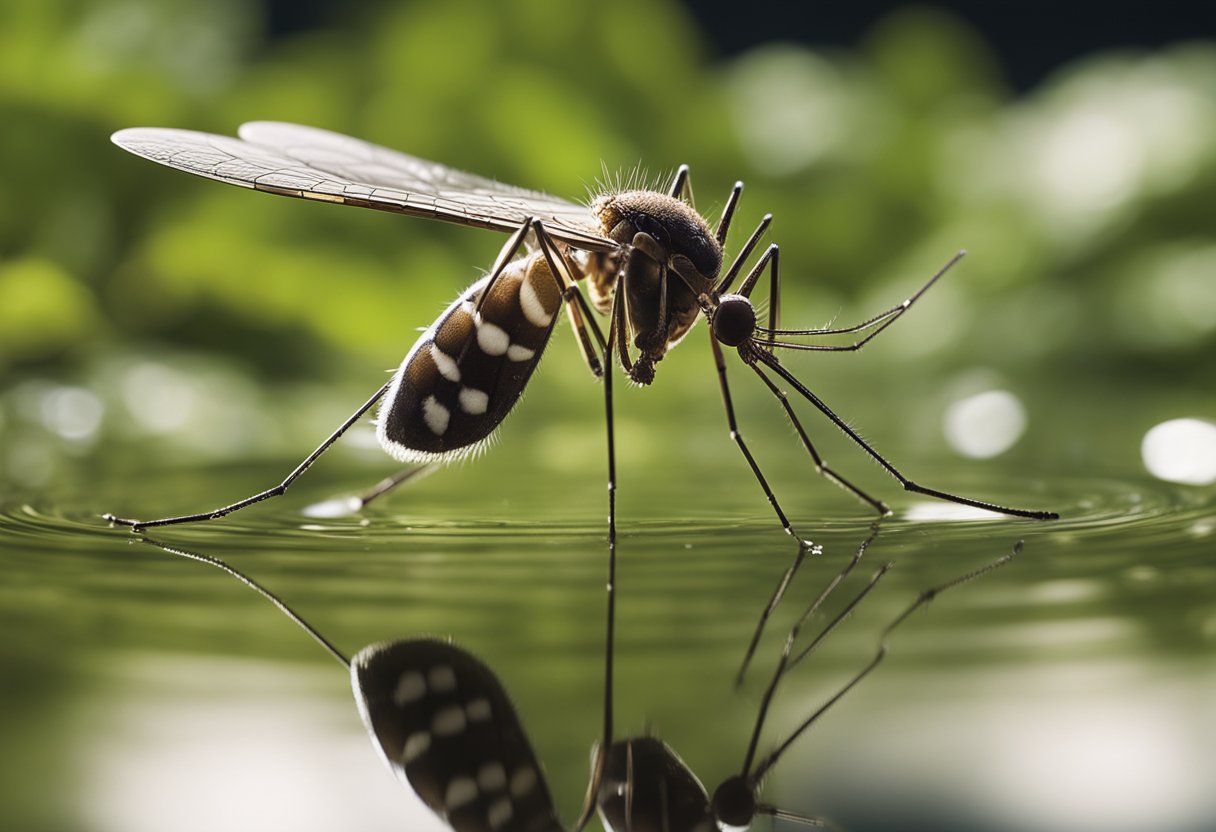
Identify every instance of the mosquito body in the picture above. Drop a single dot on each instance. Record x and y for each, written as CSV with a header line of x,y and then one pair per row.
x,y
647,259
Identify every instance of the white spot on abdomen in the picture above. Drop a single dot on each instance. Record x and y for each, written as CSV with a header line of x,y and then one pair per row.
x,y
500,813
531,305
478,710
435,415
445,363
416,746
492,338
473,402
442,678
410,688
460,791
492,777
450,720
523,781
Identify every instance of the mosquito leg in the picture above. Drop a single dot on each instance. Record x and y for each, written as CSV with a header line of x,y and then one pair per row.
x,y
771,254
778,593
728,213
564,274
728,277
599,763
737,438
784,663
793,817
257,587
616,323
681,186
820,466
610,428
136,525
763,767
774,295
771,361
390,484
815,605
771,257
581,317
505,256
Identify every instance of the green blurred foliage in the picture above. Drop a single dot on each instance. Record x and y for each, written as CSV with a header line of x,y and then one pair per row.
x,y
207,325
1086,205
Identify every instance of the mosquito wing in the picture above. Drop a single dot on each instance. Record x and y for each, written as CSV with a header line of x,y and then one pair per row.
x,y
311,163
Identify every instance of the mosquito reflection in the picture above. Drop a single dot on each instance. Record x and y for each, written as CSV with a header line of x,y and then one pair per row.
x,y
642,785
444,724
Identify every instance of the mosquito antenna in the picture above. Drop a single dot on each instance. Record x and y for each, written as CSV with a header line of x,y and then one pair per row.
x,y
261,590
921,600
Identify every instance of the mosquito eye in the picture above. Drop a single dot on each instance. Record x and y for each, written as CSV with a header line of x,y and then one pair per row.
x,y
734,320
649,225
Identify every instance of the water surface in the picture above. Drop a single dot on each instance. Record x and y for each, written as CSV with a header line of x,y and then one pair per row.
x,y
1070,690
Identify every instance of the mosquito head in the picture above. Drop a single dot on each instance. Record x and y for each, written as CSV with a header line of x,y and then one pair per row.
x,y
734,320
734,803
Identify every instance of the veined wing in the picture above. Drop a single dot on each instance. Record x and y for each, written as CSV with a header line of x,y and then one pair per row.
x,y
311,163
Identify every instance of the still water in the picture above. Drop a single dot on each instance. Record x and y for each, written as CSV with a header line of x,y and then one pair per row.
x,y
1070,690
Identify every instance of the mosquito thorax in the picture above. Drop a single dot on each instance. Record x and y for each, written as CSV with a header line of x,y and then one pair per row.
x,y
668,259
734,803
672,224
734,320
646,787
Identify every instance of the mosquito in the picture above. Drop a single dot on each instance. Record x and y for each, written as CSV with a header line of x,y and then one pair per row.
x,y
444,724
649,262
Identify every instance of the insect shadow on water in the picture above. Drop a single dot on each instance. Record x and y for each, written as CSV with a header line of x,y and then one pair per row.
x,y
650,263
445,725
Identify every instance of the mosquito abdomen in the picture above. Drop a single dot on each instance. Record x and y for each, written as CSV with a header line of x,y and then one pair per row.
x,y
465,373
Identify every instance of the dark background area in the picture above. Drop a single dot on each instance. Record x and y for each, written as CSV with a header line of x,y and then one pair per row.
x,y
1030,39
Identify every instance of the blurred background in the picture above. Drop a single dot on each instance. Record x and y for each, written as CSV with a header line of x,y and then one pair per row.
x,y
168,344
